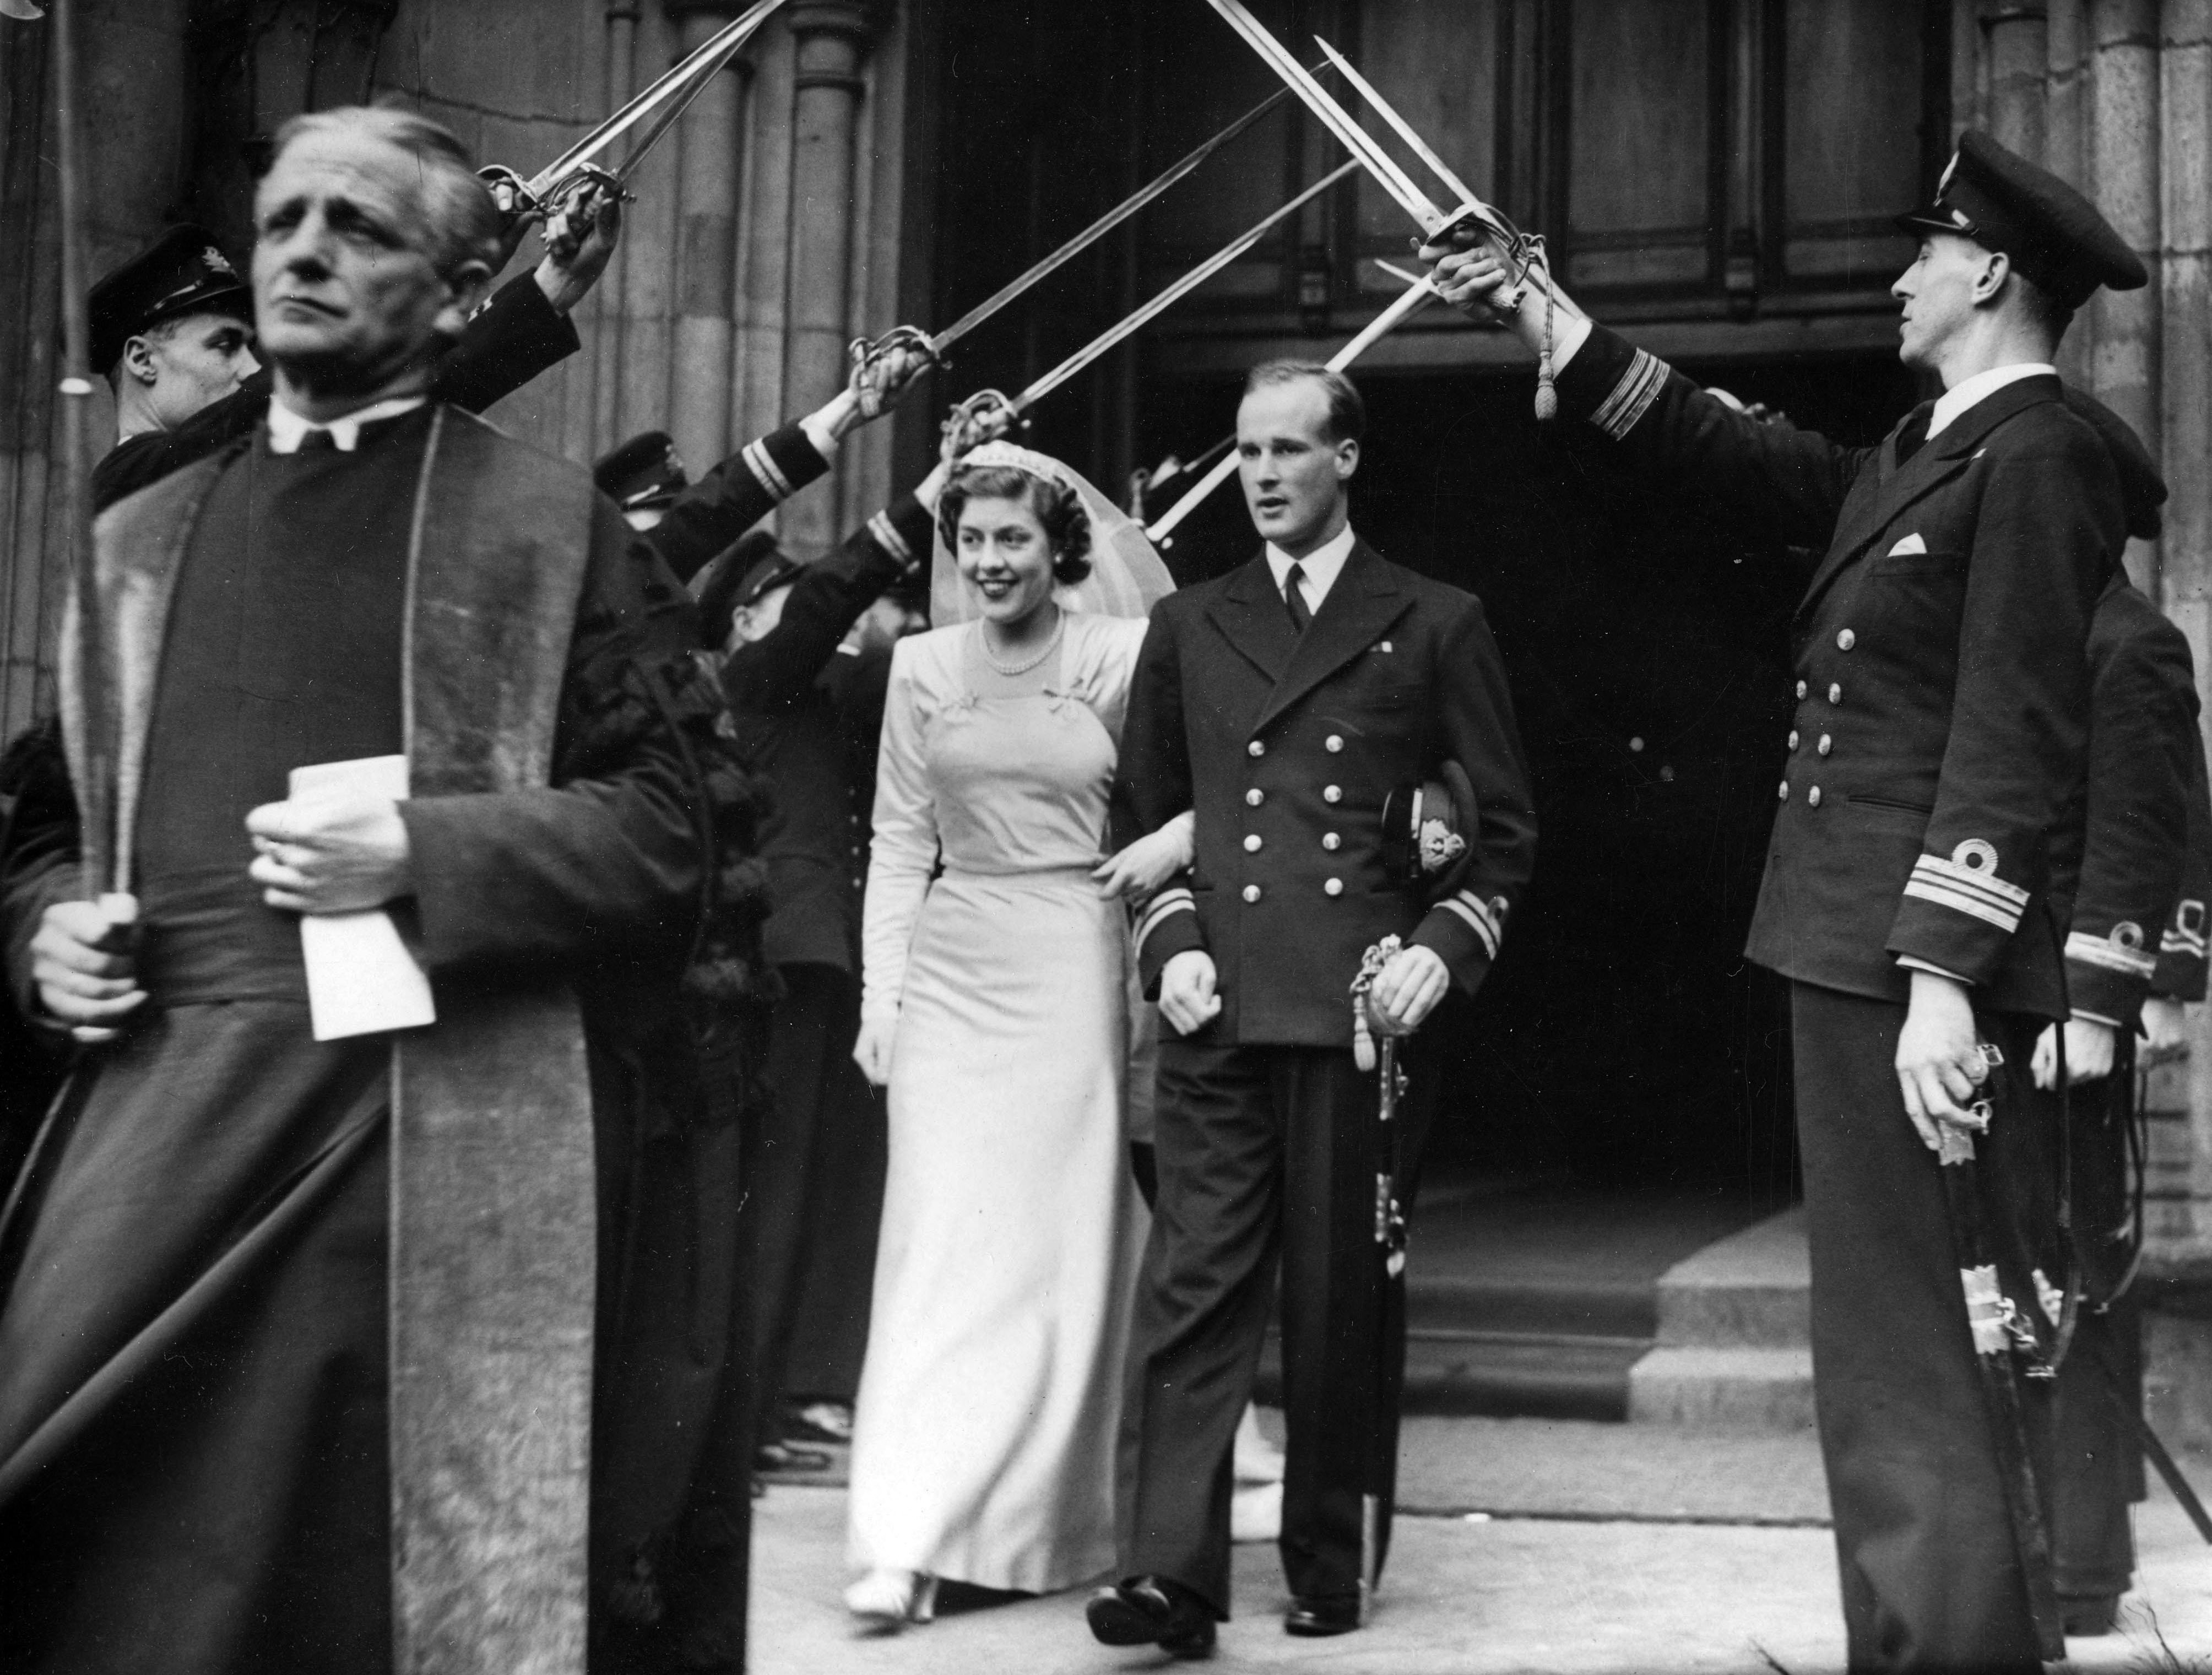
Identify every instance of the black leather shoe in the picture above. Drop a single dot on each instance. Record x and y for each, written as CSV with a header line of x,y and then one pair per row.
x,y
1151,1610
1321,1614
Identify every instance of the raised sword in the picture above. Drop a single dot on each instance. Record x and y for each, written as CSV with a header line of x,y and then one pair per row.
x,y
667,99
990,412
933,345
1419,290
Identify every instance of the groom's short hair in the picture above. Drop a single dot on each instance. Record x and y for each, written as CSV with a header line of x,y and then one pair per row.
x,y
1347,412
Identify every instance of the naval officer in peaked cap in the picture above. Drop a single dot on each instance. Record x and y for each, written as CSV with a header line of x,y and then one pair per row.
x,y
1919,851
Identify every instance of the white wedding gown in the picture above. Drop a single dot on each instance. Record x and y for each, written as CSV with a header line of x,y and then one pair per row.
x,y
984,1432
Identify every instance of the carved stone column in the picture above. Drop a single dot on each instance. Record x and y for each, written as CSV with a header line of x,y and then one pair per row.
x,y
2018,36
2122,133
832,39
704,293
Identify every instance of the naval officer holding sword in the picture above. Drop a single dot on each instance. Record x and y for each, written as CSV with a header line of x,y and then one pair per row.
x,y
1943,713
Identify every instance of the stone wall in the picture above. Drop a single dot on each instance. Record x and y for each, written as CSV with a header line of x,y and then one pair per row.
x,y
764,232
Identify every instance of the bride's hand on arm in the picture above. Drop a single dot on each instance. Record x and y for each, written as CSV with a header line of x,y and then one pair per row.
x,y
1148,864
872,1051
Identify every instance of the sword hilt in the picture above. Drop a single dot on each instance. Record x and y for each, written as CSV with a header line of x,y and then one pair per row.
x,y
866,352
982,417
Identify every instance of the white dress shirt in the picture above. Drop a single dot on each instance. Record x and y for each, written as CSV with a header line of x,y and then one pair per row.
x,y
1321,565
287,429
1980,388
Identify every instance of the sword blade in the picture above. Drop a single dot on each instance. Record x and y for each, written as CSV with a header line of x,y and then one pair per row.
x,y
715,50
642,146
1099,228
1333,117
1399,126
1173,293
1418,292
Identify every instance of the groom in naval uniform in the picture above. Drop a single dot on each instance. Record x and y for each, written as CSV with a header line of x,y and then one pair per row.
x,y
1283,702
1929,833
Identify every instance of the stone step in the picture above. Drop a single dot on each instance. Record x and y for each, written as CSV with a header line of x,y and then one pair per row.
x,y
1743,1389
1750,1290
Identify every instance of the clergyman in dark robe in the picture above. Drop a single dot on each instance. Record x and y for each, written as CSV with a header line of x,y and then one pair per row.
x,y
408,1349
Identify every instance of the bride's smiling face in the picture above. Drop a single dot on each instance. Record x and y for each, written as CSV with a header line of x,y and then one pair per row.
x,y
1005,559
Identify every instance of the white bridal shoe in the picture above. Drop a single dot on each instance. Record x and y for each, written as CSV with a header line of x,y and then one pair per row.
x,y
885,1601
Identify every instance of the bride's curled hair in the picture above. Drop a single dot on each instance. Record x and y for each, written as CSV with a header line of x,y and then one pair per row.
x,y
1055,506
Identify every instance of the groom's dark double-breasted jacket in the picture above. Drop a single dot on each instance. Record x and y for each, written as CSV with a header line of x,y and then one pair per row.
x,y
1286,746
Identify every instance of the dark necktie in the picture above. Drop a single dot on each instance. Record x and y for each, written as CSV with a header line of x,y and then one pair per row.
x,y
1295,598
1915,433
318,440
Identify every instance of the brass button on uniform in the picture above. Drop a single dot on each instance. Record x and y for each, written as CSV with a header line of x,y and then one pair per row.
x,y
1255,748
1826,744
1785,792
1846,639
1835,692
1252,844
1332,793
1813,797
1334,887
1333,742
1793,739
1251,892
1254,797
1801,689
1330,841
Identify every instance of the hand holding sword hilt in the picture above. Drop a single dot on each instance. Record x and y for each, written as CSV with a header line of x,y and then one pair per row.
x,y
1365,1021
982,417
884,368
518,205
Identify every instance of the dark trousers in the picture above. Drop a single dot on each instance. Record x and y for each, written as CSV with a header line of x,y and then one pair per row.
x,y
2099,1466
1260,1151
811,1034
1928,1563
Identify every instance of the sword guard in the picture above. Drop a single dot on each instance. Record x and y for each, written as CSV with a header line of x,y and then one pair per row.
x,y
867,353
982,417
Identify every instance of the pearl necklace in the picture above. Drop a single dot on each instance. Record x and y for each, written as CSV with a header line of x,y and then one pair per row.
x,y
983,640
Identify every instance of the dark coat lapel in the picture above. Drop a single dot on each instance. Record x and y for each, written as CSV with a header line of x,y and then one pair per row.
x,y
1867,516
1251,617
1366,600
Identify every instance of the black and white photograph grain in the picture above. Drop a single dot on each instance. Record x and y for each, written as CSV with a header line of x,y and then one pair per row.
x,y
1063,837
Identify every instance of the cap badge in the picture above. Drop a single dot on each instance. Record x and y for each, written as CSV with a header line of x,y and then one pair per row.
x,y
216,259
1440,846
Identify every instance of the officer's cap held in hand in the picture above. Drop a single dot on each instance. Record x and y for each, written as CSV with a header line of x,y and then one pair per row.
x,y
2053,235
183,271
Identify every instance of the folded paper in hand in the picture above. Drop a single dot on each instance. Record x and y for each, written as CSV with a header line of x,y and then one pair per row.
x,y
363,978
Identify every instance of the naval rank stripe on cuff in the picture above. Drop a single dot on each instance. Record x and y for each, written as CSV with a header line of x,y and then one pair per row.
x,y
1632,397
1476,911
2182,942
1969,890
1164,906
884,533
2111,955
766,471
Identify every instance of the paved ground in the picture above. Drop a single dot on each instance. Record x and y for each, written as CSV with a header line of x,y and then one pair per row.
x,y
1543,1546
